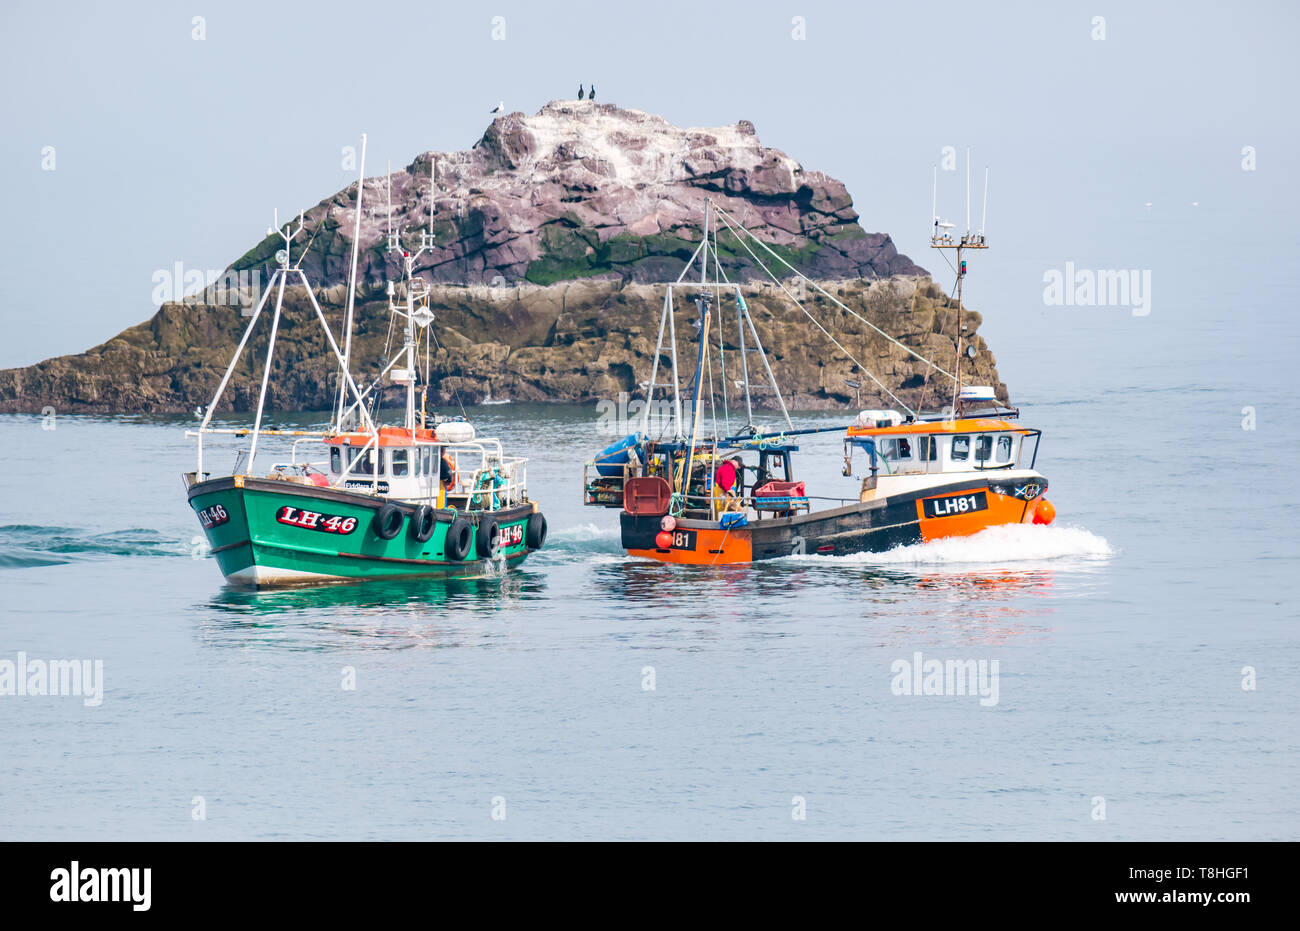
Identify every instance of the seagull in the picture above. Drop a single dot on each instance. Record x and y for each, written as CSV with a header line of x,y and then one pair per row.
x,y
500,108
579,91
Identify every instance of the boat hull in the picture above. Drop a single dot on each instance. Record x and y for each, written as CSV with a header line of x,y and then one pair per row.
x,y
956,509
268,533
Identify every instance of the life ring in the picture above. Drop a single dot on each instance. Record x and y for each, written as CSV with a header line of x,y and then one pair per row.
x,y
387,522
422,523
535,533
459,536
489,538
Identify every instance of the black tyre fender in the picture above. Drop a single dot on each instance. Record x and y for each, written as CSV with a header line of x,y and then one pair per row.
x,y
535,533
422,523
387,522
488,540
459,537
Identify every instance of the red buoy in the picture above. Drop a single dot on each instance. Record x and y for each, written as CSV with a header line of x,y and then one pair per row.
x,y
663,539
1045,513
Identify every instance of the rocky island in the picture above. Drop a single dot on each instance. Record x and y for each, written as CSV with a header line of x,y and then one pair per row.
x,y
553,235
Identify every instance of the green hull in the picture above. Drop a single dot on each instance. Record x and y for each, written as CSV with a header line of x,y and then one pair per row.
x,y
266,532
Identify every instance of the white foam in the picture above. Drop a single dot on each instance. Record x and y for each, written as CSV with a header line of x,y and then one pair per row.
x,y
1007,543
583,533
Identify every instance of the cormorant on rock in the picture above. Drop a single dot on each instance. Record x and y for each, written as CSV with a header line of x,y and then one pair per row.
x,y
592,95
500,107
579,91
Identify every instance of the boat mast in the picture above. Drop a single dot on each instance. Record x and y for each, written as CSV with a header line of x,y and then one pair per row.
x,y
410,348
702,305
940,238
288,233
416,311
352,287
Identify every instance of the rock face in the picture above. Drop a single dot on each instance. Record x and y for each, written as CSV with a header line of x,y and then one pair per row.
x,y
585,189
552,234
575,341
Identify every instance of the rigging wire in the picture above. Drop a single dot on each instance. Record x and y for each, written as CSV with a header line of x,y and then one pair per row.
x,y
725,219
815,322
743,316
722,349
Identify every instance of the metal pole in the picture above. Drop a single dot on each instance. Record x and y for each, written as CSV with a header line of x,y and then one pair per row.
x,y
956,378
266,372
772,378
702,305
744,362
677,395
352,280
347,376
410,350
248,331
654,368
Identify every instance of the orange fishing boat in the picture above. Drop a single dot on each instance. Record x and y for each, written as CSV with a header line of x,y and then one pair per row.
x,y
689,498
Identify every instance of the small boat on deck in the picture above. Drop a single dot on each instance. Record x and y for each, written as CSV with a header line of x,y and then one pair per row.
x,y
685,497
360,500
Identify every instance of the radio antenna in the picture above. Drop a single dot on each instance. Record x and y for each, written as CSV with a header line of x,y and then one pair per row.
x,y
941,238
968,190
985,214
392,244
934,205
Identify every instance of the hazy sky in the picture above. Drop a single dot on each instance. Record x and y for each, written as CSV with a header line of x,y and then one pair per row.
x,y
171,149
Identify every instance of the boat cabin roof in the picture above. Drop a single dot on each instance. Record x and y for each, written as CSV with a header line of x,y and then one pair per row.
x,y
388,436
968,425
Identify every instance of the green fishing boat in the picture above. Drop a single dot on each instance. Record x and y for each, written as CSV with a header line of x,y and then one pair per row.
x,y
358,500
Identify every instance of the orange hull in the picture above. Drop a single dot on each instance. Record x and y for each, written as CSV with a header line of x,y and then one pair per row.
x,y
710,548
999,509
871,527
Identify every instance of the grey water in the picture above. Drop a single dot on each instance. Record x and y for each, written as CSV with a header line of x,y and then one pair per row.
x,y
1146,642
1121,633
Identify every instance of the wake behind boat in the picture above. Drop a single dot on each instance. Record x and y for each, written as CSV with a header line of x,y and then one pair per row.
x,y
359,500
688,497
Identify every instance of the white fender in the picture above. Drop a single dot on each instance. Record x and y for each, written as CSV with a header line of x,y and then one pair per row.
x,y
454,431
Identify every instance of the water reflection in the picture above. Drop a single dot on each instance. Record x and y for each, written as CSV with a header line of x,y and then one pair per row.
x,y
969,606
382,614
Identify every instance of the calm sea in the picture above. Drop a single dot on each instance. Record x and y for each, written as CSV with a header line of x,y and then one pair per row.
x,y
588,695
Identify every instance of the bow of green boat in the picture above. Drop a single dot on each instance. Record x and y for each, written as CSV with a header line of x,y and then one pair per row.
x,y
269,532
356,500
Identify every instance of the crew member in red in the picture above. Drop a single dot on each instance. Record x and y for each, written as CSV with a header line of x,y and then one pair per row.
x,y
725,477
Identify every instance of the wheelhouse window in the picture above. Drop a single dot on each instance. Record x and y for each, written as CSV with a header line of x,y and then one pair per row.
x,y
960,448
894,448
983,448
399,462
336,460
363,462
1004,448
927,448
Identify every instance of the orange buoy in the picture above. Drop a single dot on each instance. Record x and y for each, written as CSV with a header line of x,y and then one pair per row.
x,y
1045,513
663,539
